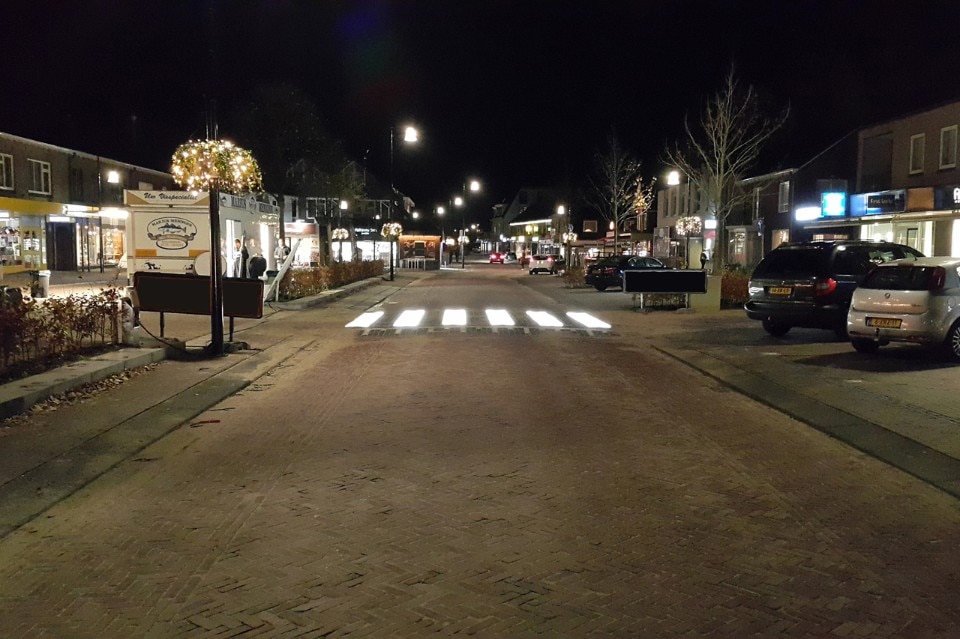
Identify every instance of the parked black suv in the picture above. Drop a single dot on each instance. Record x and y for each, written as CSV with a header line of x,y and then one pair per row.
x,y
809,284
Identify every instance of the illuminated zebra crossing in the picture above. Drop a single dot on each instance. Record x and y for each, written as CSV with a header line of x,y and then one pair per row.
x,y
462,318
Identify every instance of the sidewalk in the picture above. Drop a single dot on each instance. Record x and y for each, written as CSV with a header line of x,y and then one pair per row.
x,y
19,396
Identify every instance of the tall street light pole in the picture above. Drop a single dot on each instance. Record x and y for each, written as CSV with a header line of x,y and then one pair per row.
x,y
443,238
410,135
474,186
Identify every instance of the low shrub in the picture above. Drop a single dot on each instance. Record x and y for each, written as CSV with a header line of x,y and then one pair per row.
x,y
573,277
733,288
37,334
307,281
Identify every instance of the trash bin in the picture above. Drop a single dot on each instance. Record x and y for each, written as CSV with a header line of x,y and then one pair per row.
x,y
40,284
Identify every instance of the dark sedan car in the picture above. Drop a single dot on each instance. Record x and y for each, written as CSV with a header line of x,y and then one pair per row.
x,y
608,271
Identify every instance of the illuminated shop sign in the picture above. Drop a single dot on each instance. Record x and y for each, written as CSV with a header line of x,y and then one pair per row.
x,y
833,204
947,198
879,203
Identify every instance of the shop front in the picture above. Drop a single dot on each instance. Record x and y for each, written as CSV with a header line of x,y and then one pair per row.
x,y
923,218
23,234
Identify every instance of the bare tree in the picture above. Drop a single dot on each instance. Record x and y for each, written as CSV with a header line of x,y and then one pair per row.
x,y
613,187
716,156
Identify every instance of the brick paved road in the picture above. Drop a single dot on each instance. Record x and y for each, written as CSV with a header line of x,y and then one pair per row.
x,y
430,484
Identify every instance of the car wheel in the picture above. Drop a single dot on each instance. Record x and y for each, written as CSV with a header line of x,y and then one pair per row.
x,y
775,328
600,287
865,345
532,272
953,342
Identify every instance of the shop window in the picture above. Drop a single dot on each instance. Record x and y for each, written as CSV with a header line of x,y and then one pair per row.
x,y
948,147
783,201
40,171
6,172
917,143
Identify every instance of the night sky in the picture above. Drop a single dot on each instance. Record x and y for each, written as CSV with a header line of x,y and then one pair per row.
x,y
515,92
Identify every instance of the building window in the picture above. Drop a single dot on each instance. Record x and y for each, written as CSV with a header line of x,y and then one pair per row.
x,y
6,172
76,184
41,177
783,202
948,147
916,153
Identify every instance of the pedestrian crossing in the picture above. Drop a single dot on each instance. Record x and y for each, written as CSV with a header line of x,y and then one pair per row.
x,y
490,319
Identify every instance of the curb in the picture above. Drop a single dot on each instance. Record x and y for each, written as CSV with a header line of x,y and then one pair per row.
x,y
19,396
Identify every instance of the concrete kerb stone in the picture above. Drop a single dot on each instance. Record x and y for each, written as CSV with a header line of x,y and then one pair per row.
x,y
325,296
18,396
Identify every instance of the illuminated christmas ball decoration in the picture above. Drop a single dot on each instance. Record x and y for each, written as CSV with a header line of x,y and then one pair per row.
x,y
340,234
206,164
391,230
689,226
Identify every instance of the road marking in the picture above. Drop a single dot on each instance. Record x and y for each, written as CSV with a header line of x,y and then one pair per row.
x,y
409,319
366,320
499,317
543,318
587,320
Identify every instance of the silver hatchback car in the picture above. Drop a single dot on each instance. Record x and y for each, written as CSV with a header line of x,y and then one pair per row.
x,y
915,301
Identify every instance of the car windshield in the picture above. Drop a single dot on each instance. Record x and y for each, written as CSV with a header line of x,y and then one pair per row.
x,y
899,278
807,260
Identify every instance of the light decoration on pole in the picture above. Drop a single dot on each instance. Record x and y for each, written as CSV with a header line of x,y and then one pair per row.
x,y
206,164
391,231
340,234
214,166
689,226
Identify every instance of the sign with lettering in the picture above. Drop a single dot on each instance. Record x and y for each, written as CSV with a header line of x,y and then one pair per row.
x,y
878,203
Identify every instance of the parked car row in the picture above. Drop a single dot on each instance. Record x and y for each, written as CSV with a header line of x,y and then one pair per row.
x,y
872,293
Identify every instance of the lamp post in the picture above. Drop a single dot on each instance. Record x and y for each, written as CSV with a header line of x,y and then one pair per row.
x,y
340,233
215,165
474,186
410,135
443,238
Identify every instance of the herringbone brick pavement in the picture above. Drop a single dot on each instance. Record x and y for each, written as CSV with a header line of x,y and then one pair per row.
x,y
385,488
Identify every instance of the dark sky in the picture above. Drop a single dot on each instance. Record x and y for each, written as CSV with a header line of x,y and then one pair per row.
x,y
515,92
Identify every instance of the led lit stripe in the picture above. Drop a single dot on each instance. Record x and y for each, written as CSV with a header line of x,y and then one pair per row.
x,y
409,319
542,318
454,317
499,317
366,320
588,320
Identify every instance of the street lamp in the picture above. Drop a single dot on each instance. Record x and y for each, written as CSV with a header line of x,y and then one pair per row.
x,y
410,135
474,186
440,212
341,233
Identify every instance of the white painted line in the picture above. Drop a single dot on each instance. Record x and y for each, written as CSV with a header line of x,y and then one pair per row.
x,y
454,317
542,318
499,317
366,320
409,319
588,320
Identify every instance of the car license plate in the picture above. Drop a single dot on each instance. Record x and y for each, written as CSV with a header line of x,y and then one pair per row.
x,y
883,322
780,290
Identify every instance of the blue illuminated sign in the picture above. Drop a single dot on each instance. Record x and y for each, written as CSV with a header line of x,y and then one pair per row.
x,y
833,204
879,203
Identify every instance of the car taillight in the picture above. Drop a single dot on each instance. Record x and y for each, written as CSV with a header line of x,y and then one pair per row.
x,y
825,286
937,279
549,260
608,271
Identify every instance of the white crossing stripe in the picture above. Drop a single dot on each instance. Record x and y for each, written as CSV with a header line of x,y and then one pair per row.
x,y
587,320
499,317
366,320
409,319
454,317
543,318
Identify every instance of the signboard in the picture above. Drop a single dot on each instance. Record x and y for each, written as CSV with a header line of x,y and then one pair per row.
x,y
168,241
190,295
863,204
833,204
665,281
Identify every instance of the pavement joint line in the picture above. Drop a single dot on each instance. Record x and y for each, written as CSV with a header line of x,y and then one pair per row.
x,y
44,486
921,461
